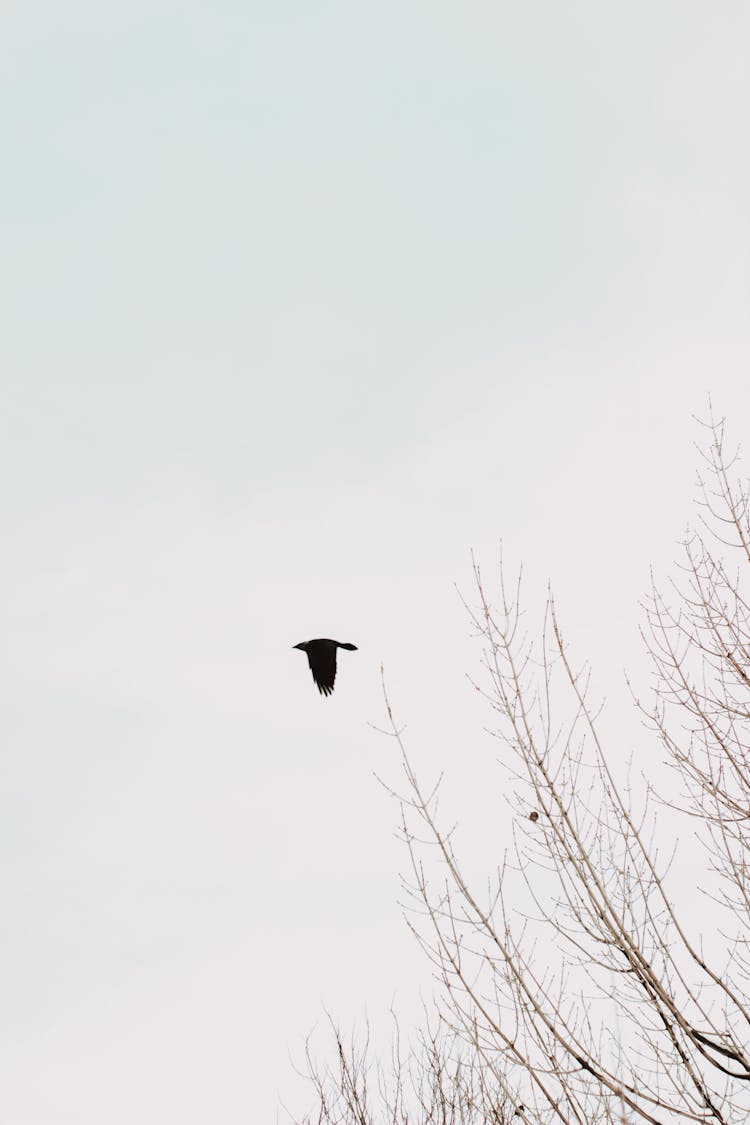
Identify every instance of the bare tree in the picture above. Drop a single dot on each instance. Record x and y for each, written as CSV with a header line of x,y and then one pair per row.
x,y
435,1082
579,989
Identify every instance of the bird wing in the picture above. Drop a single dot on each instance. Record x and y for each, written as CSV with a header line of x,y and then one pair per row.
x,y
322,661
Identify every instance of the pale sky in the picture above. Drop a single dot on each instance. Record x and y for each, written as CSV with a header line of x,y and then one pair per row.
x,y
301,303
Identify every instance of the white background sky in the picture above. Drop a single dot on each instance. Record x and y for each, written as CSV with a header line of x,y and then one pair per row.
x,y
300,303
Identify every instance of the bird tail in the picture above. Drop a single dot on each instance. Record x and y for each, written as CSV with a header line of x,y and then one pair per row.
x,y
351,648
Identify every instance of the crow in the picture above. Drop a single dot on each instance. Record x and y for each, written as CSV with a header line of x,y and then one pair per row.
x,y
321,656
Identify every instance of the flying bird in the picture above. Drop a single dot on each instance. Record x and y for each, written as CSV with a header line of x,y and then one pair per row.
x,y
321,656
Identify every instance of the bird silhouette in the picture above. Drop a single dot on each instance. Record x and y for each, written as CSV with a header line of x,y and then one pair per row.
x,y
321,656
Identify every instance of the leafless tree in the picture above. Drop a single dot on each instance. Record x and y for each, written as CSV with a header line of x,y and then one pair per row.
x,y
580,990
436,1081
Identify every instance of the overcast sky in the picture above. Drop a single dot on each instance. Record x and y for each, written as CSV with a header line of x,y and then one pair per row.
x,y
300,303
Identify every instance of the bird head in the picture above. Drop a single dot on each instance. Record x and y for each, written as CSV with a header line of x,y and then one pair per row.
x,y
303,645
